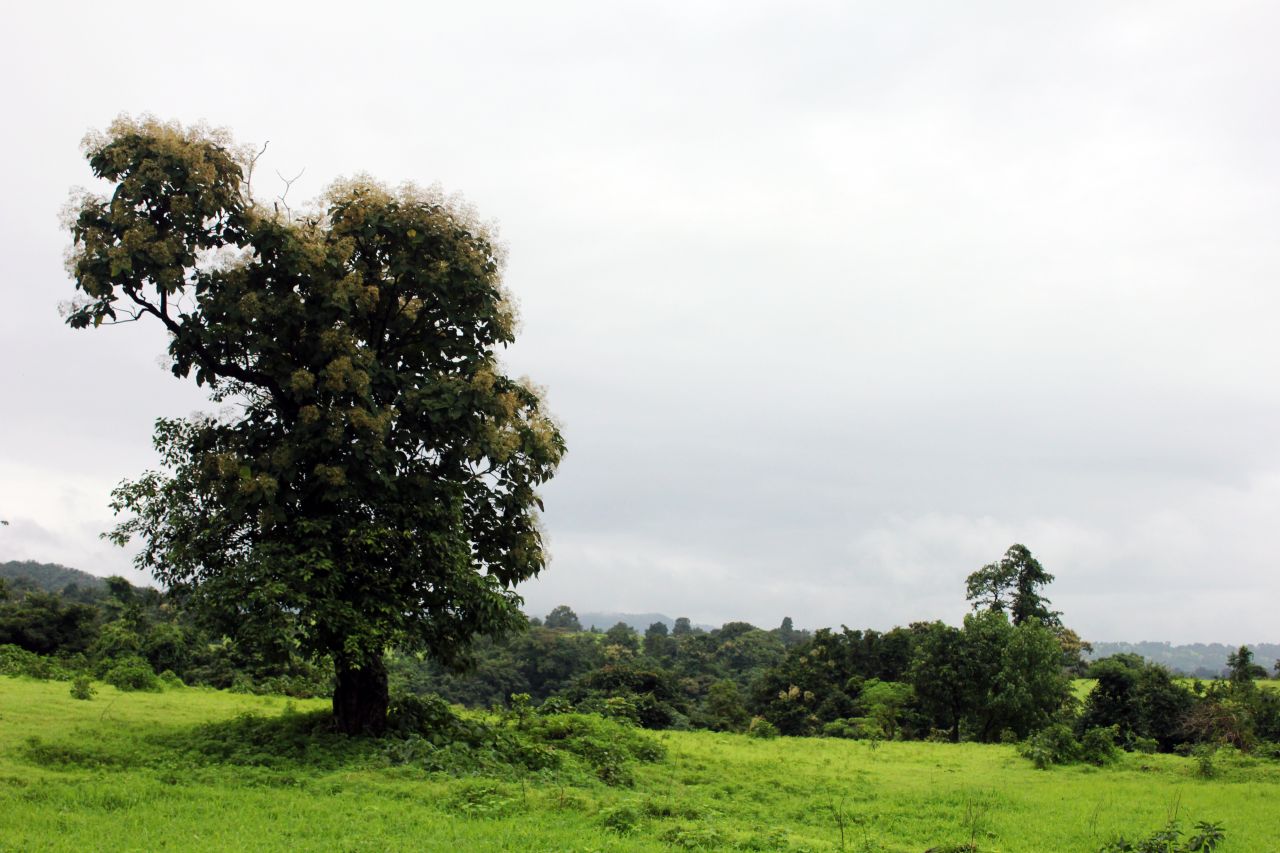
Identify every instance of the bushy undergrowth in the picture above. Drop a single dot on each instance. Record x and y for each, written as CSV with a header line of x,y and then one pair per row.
x,y
424,733
132,673
1170,839
15,660
1058,744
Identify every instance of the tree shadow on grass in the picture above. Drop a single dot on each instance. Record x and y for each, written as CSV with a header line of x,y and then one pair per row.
x,y
426,736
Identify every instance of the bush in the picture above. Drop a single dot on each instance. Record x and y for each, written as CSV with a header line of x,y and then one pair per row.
x,y
1098,745
481,799
761,728
1268,750
1145,745
623,708
606,746
555,705
854,728
844,728
82,688
622,820
15,660
1204,753
693,837
1054,744
1205,839
427,716
130,674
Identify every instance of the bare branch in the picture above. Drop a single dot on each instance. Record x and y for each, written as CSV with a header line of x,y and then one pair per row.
x,y
248,178
288,185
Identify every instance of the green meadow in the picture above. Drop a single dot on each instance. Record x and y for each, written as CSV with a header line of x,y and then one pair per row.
x,y
165,771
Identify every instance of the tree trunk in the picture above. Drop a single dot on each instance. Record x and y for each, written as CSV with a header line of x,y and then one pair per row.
x,y
360,697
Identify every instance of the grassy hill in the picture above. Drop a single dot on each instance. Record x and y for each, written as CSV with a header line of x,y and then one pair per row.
x,y
186,769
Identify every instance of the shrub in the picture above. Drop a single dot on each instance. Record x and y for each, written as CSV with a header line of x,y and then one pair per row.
x,y
427,716
622,708
82,688
693,837
15,660
556,705
1098,745
132,673
1054,744
761,728
480,799
1204,753
1145,745
607,747
1268,750
622,820
1206,839
847,728
666,808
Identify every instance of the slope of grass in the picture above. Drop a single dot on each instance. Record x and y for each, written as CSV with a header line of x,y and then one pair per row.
x,y
183,770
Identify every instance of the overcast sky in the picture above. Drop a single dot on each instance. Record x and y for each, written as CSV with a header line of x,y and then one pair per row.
x,y
835,301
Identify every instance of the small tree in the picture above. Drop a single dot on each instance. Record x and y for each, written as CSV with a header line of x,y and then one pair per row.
x,y
657,642
622,635
725,707
1012,585
562,616
938,675
1241,670
373,483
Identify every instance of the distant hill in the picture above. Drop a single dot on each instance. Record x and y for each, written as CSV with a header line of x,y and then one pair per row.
x,y
639,621
50,577
1201,660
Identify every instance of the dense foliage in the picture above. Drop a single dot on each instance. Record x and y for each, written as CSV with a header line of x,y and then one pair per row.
x,y
372,483
132,636
987,680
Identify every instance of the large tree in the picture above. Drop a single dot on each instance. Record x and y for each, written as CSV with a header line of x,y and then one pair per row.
x,y
1012,585
371,481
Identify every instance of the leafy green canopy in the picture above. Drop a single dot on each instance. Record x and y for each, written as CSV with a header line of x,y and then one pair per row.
x,y
374,484
1013,583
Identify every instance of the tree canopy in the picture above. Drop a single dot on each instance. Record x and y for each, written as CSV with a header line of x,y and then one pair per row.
x,y
1012,585
373,481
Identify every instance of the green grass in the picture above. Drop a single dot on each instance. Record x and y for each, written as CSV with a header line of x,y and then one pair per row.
x,y
167,771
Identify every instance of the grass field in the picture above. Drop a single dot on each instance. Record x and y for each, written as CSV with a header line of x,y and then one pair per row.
x,y
118,773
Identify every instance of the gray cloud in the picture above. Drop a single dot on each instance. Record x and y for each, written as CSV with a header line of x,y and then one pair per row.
x,y
835,301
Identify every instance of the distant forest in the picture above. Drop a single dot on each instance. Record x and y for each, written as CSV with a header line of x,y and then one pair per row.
x,y
1197,660
1005,674
1194,660
49,577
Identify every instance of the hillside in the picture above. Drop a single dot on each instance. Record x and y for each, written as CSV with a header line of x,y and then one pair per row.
x,y
49,577
1200,660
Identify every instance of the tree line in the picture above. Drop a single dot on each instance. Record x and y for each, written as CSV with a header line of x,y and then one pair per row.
x,y
1005,674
